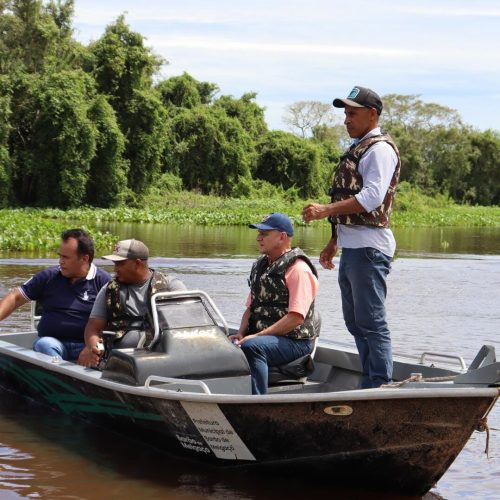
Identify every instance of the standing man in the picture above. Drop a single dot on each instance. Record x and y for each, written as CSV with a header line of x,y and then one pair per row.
x,y
66,294
124,305
362,196
279,324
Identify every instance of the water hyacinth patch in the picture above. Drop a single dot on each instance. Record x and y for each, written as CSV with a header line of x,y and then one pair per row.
x,y
29,229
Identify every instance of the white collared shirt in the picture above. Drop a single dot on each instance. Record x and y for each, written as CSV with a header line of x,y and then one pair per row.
x,y
376,167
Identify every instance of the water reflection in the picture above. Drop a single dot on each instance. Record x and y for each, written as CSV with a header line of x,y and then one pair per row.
x,y
237,241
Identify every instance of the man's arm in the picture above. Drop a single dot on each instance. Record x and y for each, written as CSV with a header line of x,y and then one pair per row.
x,y
376,168
90,355
11,302
328,253
242,330
283,326
315,211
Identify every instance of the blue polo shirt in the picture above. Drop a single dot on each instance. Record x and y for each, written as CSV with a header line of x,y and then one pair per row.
x,y
66,305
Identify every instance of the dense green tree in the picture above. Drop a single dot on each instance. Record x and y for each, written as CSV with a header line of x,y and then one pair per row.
x,y
210,150
123,68
288,161
414,167
107,179
36,36
53,139
86,125
184,91
147,128
336,134
121,65
431,139
483,181
5,112
329,159
246,111
448,152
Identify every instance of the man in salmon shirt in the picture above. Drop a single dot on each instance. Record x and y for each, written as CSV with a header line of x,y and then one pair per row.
x,y
279,324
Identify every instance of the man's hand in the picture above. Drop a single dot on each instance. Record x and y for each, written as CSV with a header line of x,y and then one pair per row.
x,y
247,337
89,357
236,338
314,211
327,255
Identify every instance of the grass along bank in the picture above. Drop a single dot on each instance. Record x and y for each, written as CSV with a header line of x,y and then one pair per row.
x,y
40,229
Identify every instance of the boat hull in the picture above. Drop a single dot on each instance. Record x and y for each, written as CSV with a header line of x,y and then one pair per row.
x,y
392,440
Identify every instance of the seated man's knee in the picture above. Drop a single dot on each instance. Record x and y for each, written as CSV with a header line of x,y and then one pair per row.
x,y
252,347
50,346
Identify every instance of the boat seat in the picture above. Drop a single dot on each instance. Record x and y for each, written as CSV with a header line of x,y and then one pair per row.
x,y
294,372
36,314
188,343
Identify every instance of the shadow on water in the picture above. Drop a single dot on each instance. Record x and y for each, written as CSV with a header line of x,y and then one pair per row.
x,y
44,454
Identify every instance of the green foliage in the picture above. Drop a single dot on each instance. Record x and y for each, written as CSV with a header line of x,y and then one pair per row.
x,y
483,181
37,37
259,189
449,153
107,179
5,112
123,68
288,161
210,150
329,159
82,125
440,154
411,198
54,139
166,183
121,65
185,91
246,111
146,138
31,229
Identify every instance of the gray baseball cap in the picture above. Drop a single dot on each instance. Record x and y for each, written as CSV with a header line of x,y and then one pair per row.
x,y
128,249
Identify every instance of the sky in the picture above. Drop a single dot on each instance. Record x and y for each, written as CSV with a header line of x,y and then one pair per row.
x,y
444,51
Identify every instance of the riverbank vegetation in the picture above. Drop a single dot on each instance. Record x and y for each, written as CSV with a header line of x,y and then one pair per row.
x,y
35,228
95,126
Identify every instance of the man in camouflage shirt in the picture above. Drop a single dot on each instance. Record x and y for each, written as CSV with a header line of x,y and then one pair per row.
x,y
362,195
279,324
123,305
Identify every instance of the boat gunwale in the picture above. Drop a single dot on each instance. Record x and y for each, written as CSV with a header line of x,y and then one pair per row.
x,y
92,376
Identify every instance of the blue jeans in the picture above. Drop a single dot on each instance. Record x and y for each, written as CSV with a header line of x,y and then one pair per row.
x,y
64,349
362,280
271,350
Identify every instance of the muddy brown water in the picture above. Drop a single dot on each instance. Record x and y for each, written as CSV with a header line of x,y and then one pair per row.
x,y
445,298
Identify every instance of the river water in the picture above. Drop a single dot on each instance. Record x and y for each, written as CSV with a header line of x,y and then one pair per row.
x,y
443,297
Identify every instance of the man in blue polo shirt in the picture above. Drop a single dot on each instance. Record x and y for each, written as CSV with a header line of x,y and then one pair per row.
x,y
66,293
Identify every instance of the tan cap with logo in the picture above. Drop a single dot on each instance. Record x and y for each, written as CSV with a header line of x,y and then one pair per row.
x,y
128,249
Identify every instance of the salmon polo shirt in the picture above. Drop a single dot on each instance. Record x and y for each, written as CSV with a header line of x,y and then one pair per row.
x,y
66,306
302,288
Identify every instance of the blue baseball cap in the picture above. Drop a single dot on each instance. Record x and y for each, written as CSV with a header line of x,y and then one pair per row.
x,y
275,222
